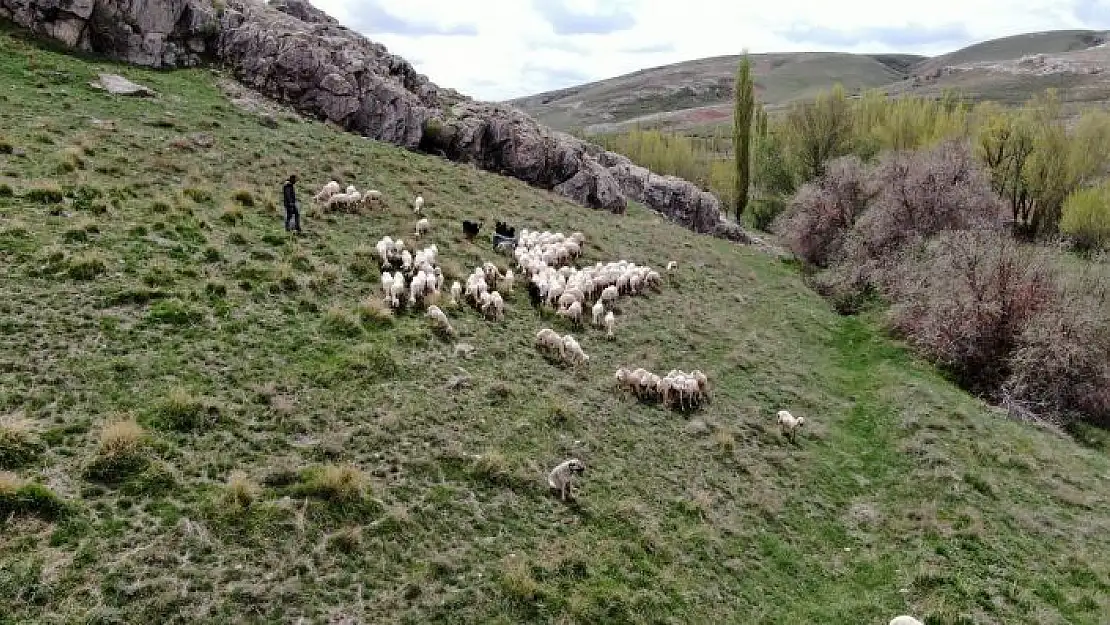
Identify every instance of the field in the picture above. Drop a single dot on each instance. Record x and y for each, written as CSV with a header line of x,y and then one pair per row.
x,y
161,333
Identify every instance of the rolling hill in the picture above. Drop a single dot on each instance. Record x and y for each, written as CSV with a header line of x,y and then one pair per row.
x,y
697,93
204,419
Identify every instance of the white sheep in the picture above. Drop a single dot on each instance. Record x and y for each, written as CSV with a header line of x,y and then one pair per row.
x,y
573,351
562,475
598,313
507,281
440,319
905,620
371,198
348,199
672,266
549,340
494,306
610,322
456,291
418,204
573,312
328,190
422,227
789,424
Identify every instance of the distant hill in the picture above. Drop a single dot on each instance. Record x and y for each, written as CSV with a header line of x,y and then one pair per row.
x,y
698,93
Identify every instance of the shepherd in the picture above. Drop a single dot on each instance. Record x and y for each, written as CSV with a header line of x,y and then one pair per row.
x,y
289,196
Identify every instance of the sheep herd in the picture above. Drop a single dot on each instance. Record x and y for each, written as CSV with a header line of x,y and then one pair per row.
x,y
413,279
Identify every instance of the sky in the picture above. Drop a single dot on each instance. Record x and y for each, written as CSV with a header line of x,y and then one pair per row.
x,y
501,49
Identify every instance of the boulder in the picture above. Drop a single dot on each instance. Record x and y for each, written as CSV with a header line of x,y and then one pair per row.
x,y
118,85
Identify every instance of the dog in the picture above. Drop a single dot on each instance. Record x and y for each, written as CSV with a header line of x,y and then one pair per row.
x,y
560,477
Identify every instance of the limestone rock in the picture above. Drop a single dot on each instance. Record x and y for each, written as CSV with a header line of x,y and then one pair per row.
x,y
118,85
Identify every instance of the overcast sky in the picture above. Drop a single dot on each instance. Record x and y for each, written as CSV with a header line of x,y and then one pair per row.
x,y
499,49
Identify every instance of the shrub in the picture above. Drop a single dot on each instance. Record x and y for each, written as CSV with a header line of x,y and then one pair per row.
x,y
918,194
232,215
19,497
175,312
374,313
819,216
86,266
337,483
243,197
341,322
966,301
45,194
182,411
19,446
1086,217
1059,368
765,210
200,196
240,492
121,452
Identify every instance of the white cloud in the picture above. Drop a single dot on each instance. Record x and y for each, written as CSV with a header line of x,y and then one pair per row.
x,y
498,49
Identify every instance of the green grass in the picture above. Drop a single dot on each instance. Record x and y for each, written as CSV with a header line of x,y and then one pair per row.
x,y
302,455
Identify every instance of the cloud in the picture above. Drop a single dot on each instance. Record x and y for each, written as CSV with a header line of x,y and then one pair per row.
x,y
372,18
908,36
655,48
501,49
565,20
1096,13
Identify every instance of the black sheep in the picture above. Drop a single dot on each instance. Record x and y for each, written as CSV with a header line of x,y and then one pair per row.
x,y
534,295
470,228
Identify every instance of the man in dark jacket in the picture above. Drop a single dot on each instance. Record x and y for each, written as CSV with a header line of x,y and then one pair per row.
x,y
289,195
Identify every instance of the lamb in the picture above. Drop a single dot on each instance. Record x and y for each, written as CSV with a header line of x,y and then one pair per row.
x,y
418,204
905,620
507,281
789,424
610,322
440,319
396,290
422,227
456,291
387,281
328,190
561,476
598,313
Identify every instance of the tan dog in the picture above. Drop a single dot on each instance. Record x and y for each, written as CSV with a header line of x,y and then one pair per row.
x,y
560,477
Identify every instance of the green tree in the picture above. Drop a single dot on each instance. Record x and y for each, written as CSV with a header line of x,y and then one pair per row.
x,y
742,132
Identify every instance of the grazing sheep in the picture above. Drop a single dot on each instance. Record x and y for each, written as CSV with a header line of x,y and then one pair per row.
x,y
422,227
573,351
598,313
574,312
328,190
507,281
494,306
387,281
440,319
549,340
610,294
905,620
418,204
470,229
456,291
610,322
789,424
351,198
561,476
371,198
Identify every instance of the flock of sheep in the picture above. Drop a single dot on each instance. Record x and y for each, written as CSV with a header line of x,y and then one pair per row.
x,y
414,279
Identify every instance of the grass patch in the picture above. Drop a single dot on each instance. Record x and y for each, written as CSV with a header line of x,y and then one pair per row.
x,y
19,443
122,452
184,412
21,498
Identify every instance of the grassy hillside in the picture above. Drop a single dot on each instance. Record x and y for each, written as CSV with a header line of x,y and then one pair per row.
x,y
1016,46
696,95
163,289
708,82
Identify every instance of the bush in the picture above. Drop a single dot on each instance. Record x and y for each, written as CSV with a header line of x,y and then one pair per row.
x,y
819,216
243,197
182,411
18,444
121,452
45,194
765,210
342,322
966,301
1086,217
86,266
335,483
1059,369
19,497
240,492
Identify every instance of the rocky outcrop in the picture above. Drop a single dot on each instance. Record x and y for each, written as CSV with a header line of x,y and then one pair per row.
x,y
155,33
292,52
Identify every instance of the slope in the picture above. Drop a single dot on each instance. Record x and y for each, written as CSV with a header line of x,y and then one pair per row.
x,y
707,82
1015,47
162,287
